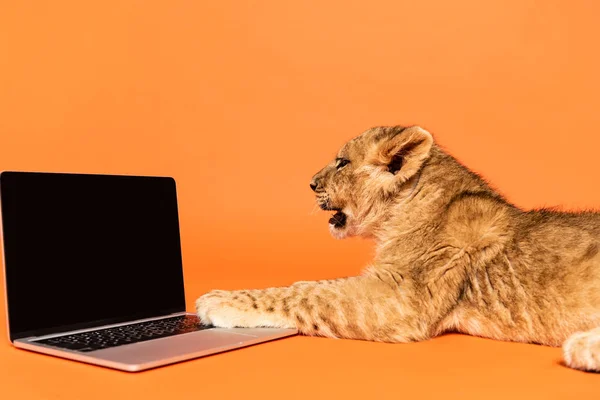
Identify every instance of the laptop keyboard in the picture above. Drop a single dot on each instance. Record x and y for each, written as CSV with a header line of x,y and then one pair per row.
x,y
127,334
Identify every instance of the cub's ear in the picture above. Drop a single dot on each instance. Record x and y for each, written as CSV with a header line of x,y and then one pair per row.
x,y
404,153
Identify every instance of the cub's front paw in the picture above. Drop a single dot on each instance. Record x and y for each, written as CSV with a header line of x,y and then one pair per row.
x,y
217,308
238,309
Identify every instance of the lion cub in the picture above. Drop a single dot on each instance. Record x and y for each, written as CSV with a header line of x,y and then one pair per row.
x,y
452,255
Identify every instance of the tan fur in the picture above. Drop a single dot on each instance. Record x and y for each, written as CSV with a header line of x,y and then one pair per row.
x,y
452,255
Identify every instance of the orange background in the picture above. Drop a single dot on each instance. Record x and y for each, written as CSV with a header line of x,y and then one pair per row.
x,y
242,102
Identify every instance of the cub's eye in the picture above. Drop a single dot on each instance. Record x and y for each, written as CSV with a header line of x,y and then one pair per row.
x,y
341,162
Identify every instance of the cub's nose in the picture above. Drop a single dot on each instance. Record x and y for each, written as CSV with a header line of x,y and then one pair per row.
x,y
313,186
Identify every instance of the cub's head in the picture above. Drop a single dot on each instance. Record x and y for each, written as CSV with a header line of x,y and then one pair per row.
x,y
370,174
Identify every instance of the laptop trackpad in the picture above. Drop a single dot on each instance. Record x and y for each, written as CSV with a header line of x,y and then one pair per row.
x,y
197,343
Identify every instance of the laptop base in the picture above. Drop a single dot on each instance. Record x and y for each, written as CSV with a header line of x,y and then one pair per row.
x,y
164,351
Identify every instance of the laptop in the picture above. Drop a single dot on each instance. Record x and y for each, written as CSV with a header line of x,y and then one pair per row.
x,y
93,272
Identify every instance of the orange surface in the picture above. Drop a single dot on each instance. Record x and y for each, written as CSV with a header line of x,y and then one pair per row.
x,y
242,102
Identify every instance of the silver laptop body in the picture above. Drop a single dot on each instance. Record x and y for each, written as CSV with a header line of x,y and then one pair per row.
x,y
93,272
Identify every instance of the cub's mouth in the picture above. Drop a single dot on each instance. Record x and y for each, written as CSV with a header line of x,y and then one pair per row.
x,y
338,220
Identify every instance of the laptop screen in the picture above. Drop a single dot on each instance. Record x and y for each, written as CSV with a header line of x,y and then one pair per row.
x,y
88,250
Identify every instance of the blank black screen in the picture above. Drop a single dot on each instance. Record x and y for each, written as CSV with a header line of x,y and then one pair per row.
x,y
84,250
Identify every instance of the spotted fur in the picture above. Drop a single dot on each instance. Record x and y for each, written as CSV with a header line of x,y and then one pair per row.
x,y
452,255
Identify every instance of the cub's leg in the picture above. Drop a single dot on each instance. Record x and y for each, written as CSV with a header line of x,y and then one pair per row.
x,y
362,307
582,350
